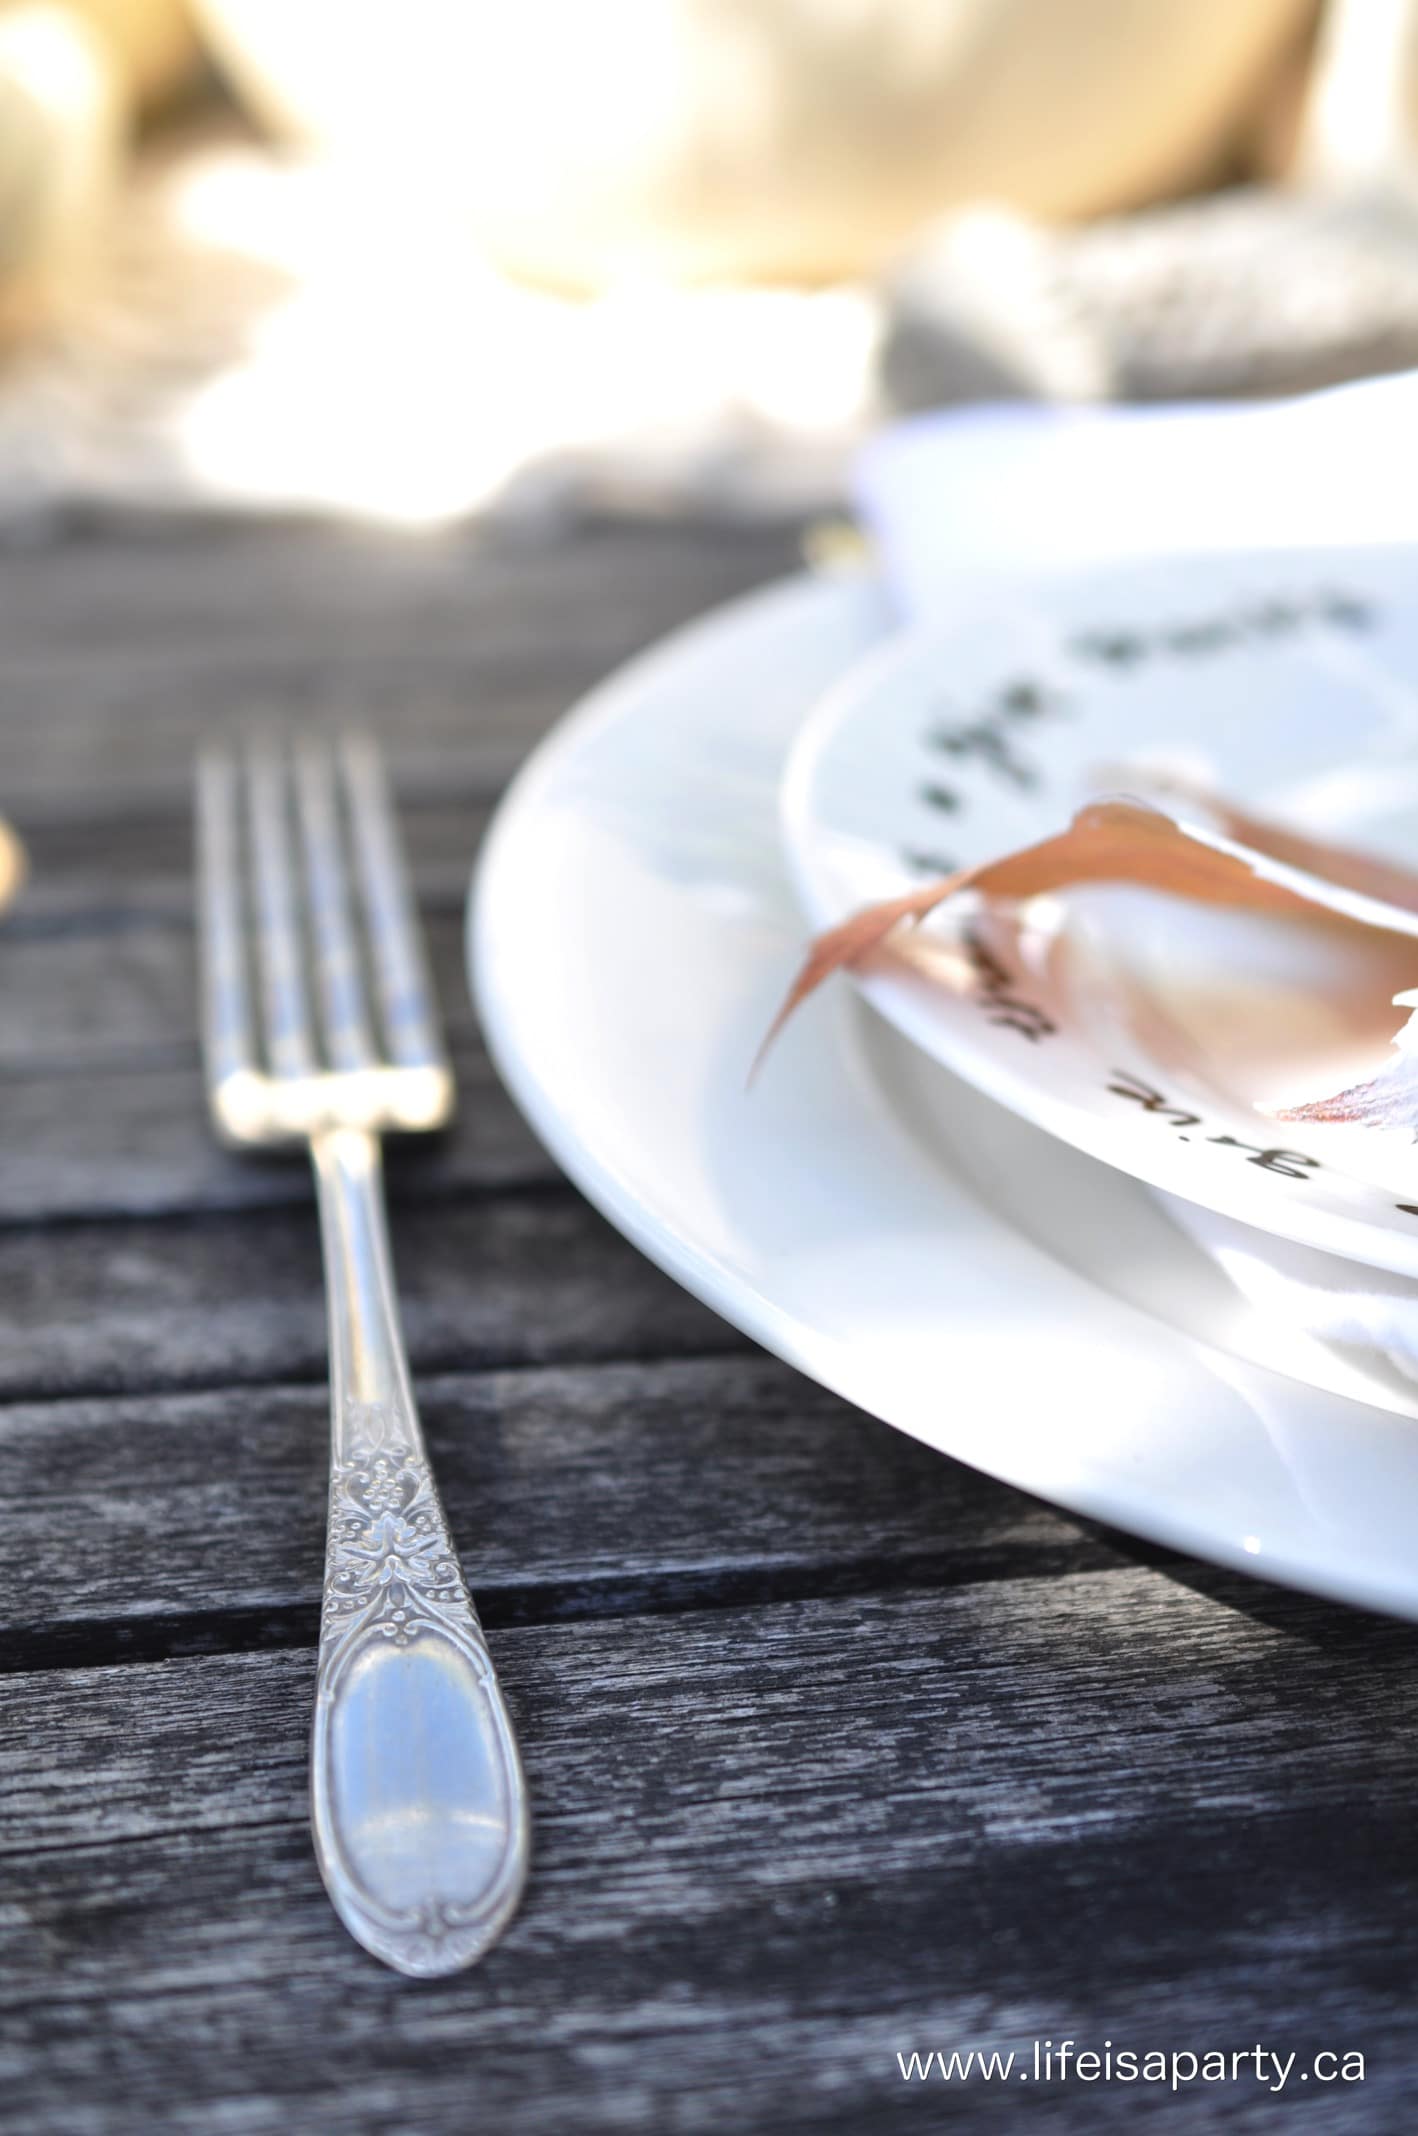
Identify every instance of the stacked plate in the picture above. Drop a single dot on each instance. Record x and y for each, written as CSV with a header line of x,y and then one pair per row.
x,y
1026,1205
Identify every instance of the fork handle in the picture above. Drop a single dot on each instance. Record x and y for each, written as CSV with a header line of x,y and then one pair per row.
x,y
418,1802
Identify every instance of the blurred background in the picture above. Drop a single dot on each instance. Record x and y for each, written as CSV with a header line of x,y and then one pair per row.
x,y
415,262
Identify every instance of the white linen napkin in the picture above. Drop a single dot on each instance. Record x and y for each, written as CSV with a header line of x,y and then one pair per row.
x,y
1022,490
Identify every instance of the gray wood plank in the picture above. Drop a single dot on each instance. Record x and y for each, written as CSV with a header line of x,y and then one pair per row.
x,y
154,1304
196,1522
774,1848
127,994
98,1143
117,657
140,592
105,865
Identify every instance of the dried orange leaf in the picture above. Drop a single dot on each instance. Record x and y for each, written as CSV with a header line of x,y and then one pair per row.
x,y
1120,841
1339,864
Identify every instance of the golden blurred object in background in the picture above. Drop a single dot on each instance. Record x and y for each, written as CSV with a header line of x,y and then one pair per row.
x,y
795,140
154,43
61,133
13,865
72,77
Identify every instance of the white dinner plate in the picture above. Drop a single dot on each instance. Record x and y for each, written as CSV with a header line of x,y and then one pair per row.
x,y
1156,1035
631,933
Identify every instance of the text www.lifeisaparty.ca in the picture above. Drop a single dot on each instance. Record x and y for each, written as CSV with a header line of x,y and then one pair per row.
x,y
1063,2061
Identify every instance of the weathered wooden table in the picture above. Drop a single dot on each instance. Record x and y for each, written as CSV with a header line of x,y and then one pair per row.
x,y
839,1750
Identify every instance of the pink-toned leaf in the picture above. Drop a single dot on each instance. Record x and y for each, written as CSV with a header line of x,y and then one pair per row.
x,y
1116,841
1333,863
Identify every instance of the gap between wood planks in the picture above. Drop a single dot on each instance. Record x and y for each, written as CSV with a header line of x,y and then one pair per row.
x,y
594,1599
430,1192
562,1456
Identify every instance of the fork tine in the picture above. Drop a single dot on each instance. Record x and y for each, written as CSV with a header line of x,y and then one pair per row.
x,y
406,999
339,977
228,1033
290,1042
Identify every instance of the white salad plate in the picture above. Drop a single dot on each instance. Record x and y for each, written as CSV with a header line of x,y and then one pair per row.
x,y
878,1224
1157,1035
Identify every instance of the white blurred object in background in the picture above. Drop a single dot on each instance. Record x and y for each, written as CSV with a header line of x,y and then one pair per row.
x,y
586,141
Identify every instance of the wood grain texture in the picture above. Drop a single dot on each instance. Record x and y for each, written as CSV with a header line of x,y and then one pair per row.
x,y
125,995
154,1495
774,1846
139,1144
118,863
838,1749
140,1304
459,651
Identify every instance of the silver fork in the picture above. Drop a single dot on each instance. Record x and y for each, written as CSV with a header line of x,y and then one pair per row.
x,y
320,1029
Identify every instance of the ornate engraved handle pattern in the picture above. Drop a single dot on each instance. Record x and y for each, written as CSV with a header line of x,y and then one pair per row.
x,y
417,1797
